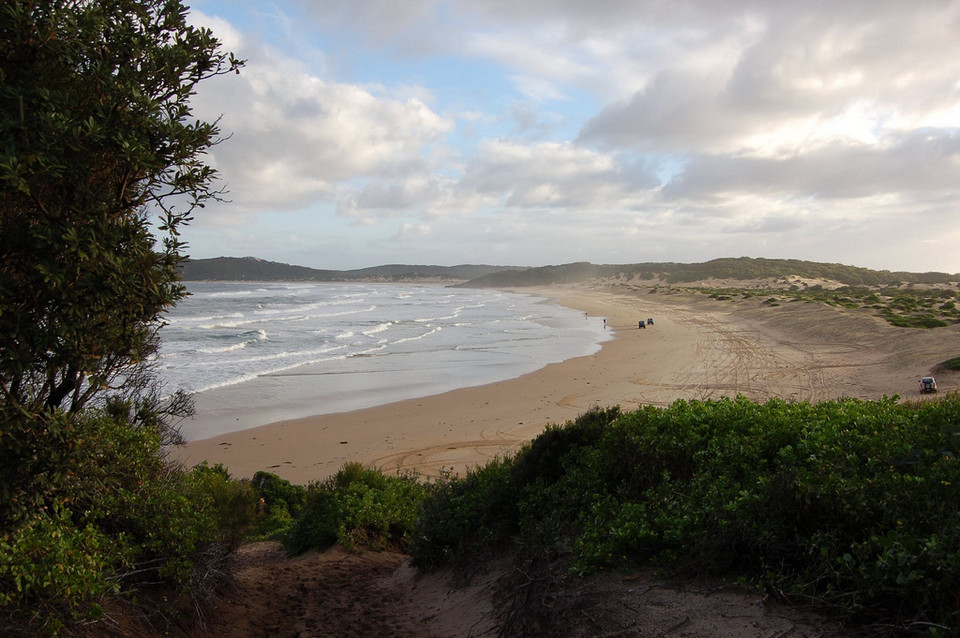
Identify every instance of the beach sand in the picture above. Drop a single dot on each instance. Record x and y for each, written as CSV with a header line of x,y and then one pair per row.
x,y
698,348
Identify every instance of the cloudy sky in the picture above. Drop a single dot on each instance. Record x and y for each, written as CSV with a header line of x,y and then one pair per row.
x,y
533,132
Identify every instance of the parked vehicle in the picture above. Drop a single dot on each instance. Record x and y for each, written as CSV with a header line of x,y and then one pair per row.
x,y
928,384
650,321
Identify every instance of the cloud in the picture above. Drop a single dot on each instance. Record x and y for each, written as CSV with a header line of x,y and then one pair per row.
x,y
413,231
556,130
423,194
916,165
551,175
295,137
893,65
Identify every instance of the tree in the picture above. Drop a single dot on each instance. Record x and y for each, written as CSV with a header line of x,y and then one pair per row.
x,y
96,136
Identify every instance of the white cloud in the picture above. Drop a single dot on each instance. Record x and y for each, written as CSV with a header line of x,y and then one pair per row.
x,y
496,129
845,74
294,137
551,175
916,166
413,231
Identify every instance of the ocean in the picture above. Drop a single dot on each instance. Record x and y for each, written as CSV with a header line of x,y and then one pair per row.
x,y
256,353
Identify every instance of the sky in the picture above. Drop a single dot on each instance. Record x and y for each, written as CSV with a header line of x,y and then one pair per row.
x,y
536,132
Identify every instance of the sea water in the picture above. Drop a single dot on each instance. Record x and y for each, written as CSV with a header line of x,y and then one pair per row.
x,y
255,353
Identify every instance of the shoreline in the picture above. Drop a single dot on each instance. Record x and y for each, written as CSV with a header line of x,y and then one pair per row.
x,y
697,349
341,373
453,430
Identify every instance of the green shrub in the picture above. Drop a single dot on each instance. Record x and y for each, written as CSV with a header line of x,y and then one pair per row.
x,y
914,321
359,508
232,502
465,518
542,459
118,520
849,502
952,364
378,513
35,456
53,571
316,525
280,503
122,486
928,321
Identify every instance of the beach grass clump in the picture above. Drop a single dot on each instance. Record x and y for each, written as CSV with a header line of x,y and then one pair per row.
x,y
358,508
852,504
914,321
951,364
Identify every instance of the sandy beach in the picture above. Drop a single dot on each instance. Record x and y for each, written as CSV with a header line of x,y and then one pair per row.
x,y
698,348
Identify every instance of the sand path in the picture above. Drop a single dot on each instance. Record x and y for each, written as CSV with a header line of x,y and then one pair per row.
x,y
698,348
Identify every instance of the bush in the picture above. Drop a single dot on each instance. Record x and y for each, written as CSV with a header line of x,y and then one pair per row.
x,y
852,503
51,571
317,524
359,508
952,364
280,502
233,503
464,519
119,520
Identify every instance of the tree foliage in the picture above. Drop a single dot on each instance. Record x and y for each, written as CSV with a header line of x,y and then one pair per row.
x,y
96,133
97,137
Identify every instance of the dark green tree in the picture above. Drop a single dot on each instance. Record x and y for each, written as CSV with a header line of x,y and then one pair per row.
x,y
97,137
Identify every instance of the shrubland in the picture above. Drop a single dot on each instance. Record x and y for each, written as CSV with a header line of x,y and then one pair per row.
x,y
905,307
847,505
119,524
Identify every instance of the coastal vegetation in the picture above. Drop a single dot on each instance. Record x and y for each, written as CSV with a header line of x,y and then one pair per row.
x,y
849,505
906,307
741,268
101,165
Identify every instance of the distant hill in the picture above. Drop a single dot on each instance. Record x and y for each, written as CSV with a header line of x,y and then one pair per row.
x,y
479,276
253,269
740,268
